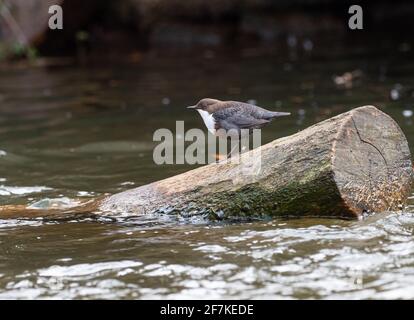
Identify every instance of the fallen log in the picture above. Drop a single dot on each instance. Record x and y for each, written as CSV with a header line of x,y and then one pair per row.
x,y
353,163
356,162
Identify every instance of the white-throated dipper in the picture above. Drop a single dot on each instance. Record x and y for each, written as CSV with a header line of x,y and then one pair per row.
x,y
234,115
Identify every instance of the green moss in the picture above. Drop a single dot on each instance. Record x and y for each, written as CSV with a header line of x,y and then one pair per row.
x,y
314,194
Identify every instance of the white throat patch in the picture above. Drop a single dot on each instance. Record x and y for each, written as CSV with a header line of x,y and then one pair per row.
x,y
208,120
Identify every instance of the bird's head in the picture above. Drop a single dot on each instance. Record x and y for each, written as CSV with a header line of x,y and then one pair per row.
x,y
205,104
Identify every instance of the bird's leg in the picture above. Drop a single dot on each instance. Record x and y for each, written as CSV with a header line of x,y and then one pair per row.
x,y
218,160
217,157
231,151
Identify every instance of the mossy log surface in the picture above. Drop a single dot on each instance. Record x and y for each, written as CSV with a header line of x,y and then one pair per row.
x,y
356,162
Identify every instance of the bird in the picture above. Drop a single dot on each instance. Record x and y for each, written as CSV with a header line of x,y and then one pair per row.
x,y
233,116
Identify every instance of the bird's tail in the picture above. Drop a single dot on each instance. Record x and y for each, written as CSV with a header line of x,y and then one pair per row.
x,y
274,114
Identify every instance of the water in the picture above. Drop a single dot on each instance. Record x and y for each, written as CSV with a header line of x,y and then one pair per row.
x,y
72,134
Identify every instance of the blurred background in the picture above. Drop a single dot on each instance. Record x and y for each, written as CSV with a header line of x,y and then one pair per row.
x,y
108,28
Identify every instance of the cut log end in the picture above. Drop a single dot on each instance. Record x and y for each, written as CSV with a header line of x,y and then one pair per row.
x,y
371,162
356,162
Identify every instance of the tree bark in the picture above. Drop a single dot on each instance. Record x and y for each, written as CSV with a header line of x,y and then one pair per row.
x,y
356,162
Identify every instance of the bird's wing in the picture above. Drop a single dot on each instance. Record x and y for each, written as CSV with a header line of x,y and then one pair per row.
x,y
244,122
234,118
229,108
244,116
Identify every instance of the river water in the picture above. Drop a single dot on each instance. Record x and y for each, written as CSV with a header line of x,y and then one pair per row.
x,y
74,133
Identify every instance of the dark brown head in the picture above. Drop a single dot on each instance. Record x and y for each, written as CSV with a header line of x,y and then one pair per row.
x,y
206,104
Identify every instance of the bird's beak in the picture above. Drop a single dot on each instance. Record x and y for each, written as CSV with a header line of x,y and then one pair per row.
x,y
191,107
